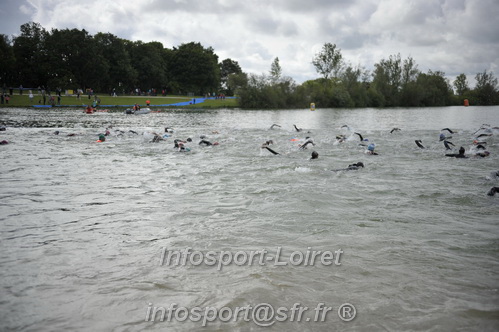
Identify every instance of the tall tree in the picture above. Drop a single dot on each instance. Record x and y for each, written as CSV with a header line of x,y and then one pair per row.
x,y
461,84
354,81
121,74
7,62
434,89
486,88
275,71
148,60
31,55
329,61
388,78
73,54
195,68
227,68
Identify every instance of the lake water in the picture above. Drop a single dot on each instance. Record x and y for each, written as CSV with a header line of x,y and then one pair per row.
x,y
408,243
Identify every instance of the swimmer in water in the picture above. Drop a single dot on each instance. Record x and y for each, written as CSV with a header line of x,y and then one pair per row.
x,y
297,129
450,131
482,154
442,137
457,155
157,138
315,155
4,142
341,138
274,125
394,129
370,149
168,130
208,143
351,167
493,191
180,145
304,145
266,146
102,138
419,143
177,142
447,145
494,175
360,136
267,143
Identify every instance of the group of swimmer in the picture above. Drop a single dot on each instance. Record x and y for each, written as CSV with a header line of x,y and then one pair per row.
x,y
478,146
478,149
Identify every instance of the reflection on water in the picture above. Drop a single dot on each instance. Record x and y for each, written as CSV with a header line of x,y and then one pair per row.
x,y
83,224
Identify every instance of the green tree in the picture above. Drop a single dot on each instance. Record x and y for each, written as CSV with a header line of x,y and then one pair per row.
x,y
486,88
355,83
73,58
275,71
227,68
434,88
461,84
409,90
31,56
328,62
121,74
7,62
148,60
387,79
195,68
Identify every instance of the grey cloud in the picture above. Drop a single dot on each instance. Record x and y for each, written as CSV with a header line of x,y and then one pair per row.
x,y
12,16
315,5
268,25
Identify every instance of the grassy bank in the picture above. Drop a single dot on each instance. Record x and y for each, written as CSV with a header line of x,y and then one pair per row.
x,y
121,101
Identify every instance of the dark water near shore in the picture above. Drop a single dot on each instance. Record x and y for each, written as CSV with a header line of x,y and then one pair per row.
x,y
83,224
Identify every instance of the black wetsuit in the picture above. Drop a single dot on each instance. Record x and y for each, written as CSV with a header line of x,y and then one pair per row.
x,y
352,167
447,145
205,142
176,141
493,191
457,155
304,145
272,151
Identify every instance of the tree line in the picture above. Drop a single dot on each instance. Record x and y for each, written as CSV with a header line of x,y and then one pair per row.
x,y
74,59
394,82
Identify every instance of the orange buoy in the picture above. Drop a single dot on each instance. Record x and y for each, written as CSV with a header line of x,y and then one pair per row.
x,y
466,102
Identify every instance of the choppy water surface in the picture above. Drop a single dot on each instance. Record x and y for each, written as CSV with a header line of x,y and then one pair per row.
x,y
83,224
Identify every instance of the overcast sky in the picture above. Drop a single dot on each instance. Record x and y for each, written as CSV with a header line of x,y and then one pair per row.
x,y
453,36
